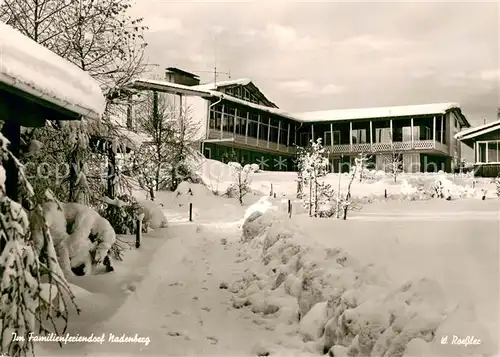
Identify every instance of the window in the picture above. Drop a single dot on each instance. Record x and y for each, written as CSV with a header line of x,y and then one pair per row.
x,y
273,134
305,139
283,136
492,152
228,124
383,135
212,119
359,136
264,126
327,138
252,128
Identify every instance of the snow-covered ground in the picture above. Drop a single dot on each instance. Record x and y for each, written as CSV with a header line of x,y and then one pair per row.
x,y
178,292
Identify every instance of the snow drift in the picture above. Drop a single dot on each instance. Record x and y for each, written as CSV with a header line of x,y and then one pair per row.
x,y
337,304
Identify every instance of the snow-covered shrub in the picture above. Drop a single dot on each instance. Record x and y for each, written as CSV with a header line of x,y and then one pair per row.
x,y
27,262
153,215
255,167
91,236
122,213
439,189
497,185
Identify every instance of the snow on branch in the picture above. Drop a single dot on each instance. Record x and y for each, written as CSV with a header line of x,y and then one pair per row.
x,y
28,257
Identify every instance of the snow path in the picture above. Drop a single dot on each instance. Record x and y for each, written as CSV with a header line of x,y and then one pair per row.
x,y
180,306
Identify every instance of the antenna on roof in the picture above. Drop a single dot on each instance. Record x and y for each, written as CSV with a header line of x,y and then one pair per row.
x,y
215,60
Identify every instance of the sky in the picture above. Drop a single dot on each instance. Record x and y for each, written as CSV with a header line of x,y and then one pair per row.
x,y
307,56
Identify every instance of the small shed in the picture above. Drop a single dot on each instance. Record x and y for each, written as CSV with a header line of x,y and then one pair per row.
x,y
37,85
485,141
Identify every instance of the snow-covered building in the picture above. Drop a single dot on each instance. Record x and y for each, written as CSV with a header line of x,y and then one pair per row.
x,y
237,119
485,140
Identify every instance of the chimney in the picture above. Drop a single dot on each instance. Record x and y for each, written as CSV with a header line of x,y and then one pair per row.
x,y
178,76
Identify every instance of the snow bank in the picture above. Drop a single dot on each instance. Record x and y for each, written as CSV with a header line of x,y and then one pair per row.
x,y
342,305
34,69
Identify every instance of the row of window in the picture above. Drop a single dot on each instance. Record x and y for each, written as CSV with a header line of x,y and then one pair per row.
x,y
242,93
238,125
488,152
381,135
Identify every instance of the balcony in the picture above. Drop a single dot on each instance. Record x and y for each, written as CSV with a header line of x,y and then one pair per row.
x,y
252,142
384,147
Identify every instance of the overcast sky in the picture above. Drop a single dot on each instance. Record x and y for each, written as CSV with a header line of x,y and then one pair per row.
x,y
308,56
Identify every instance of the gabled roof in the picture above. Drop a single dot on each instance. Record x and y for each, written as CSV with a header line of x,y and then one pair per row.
x,y
471,133
246,82
379,112
30,68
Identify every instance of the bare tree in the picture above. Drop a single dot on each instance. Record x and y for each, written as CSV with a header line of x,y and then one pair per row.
x,y
242,180
395,164
361,163
173,139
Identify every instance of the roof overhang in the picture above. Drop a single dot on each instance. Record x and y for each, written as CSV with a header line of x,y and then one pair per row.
x,y
35,74
469,136
168,87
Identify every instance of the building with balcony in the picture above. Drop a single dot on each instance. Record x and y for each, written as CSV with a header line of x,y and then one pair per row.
x,y
238,122
485,141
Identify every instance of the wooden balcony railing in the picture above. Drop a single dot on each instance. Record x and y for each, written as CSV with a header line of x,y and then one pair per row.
x,y
335,149
385,147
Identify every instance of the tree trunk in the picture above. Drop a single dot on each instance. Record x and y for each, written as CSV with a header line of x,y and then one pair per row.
x,y
111,171
310,197
73,177
12,131
151,193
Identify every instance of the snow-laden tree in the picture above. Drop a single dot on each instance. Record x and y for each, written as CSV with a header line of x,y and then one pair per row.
x,y
394,162
312,164
242,179
33,290
361,163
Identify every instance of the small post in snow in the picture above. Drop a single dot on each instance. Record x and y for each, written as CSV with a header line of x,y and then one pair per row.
x,y
271,193
385,193
191,212
138,231
275,195
289,208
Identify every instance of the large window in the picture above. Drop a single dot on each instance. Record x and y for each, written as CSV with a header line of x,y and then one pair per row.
x,y
488,152
264,127
328,138
359,136
382,135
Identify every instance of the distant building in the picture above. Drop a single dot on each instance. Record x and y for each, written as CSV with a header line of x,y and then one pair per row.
x,y
485,141
238,122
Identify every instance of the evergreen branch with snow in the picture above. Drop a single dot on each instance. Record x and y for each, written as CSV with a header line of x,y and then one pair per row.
x,y
33,289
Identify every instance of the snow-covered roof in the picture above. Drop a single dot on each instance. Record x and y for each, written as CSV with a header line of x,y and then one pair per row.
x,y
473,132
230,82
30,67
377,112
168,87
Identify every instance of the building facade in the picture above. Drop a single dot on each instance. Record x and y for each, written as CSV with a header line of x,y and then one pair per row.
x,y
485,141
238,123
